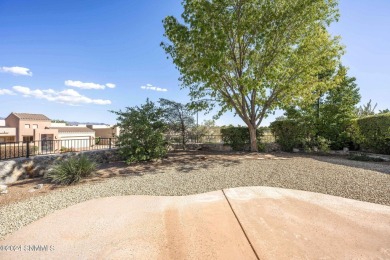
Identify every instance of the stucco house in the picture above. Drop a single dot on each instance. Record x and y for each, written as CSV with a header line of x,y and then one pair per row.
x,y
29,127
105,131
75,137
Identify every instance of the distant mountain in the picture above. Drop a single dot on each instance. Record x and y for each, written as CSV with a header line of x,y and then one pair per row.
x,y
2,118
83,123
76,123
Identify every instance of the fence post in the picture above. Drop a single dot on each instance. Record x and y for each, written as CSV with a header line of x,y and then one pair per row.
x,y
109,140
28,150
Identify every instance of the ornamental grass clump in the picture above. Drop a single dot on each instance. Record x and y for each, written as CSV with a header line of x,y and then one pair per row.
x,y
72,170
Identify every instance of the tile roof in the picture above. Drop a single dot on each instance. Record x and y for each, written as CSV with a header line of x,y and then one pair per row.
x,y
26,116
73,129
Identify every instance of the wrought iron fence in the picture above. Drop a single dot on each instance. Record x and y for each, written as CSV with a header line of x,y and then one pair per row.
x,y
12,150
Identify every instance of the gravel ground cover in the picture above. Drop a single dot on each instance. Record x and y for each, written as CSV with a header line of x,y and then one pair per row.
x,y
199,172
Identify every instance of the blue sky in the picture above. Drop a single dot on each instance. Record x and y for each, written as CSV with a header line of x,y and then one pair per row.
x,y
59,46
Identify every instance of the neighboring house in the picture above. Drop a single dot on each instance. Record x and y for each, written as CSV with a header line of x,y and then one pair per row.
x,y
105,131
75,137
24,127
30,127
7,134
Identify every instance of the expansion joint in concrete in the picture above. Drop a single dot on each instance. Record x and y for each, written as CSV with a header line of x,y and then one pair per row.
x,y
242,228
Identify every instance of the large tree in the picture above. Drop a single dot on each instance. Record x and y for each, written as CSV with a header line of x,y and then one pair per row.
x,y
253,56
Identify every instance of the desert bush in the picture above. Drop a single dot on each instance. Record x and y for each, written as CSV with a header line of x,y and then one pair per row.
x,y
238,136
290,134
375,133
72,170
142,133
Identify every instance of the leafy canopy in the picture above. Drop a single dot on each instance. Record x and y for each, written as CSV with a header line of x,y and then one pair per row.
x,y
331,115
253,56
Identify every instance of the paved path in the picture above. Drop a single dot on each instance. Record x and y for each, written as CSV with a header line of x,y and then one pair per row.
x,y
238,223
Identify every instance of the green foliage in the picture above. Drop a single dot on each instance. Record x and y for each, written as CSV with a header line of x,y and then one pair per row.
x,y
178,117
255,56
384,111
331,116
261,147
142,133
375,133
72,170
366,110
289,134
238,136
67,149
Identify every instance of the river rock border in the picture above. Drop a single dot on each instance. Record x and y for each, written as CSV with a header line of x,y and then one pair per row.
x,y
39,166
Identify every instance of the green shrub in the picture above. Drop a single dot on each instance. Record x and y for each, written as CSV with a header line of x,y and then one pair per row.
x,y
142,133
290,134
72,170
375,133
238,136
261,147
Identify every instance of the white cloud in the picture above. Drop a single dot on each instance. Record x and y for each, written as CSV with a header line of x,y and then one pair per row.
x,y
83,85
88,85
6,92
110,85
16,71
67,96
151,87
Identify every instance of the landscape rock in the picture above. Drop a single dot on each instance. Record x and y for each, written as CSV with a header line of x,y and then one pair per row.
x,y
5,168
39,186
3,189
40,166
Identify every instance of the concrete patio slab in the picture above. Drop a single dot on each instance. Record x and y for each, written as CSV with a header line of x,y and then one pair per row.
x,y
292,224
137,227
238,223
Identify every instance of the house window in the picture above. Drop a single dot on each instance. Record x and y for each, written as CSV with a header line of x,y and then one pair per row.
x,y
27,126
35,126
28,138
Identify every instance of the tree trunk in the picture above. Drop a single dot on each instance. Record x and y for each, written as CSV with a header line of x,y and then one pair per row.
x,y
253,137
183,135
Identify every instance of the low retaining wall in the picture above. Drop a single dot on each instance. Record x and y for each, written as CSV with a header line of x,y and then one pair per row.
x,y
22,168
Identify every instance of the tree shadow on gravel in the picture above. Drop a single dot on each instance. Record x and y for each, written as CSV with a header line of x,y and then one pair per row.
x,y
181,161
382,167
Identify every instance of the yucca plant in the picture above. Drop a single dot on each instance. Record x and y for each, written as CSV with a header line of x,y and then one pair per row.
x,y
72,170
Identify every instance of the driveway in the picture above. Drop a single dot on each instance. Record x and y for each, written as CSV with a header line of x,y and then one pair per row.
x,y
237,223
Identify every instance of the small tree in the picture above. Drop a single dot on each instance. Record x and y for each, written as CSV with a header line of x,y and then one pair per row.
x,y
366,110
142,133
331,116
178,117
